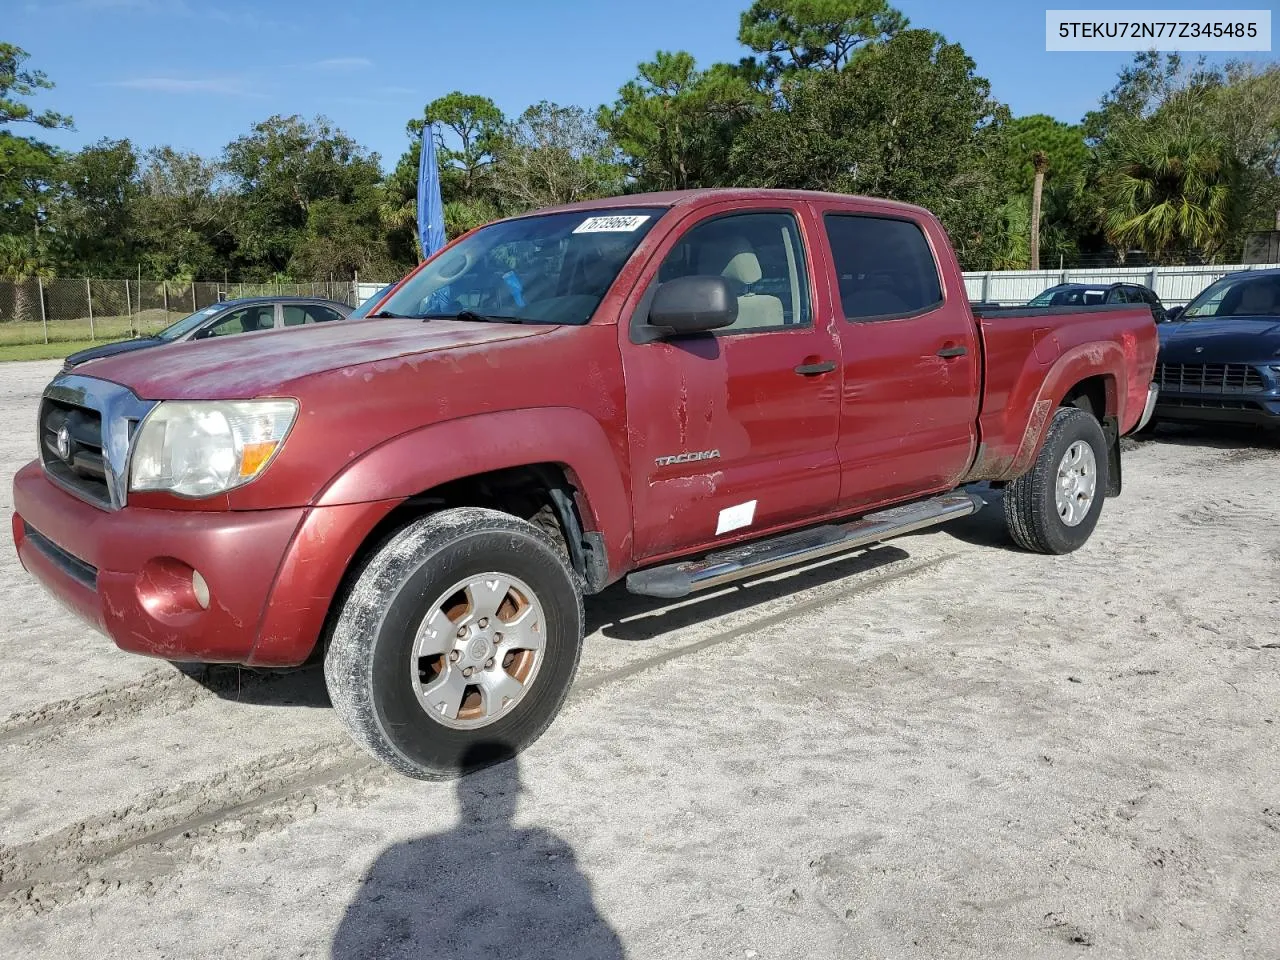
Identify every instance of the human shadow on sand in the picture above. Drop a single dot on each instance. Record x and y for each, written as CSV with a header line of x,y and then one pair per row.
x,y
484,889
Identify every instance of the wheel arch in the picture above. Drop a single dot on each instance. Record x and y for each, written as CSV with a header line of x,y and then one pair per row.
x,y
1091,377
567,448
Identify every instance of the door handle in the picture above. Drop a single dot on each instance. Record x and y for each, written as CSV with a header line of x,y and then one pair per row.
x,y
813,369
953,351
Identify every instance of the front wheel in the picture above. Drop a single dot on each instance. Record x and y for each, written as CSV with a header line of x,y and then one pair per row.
x,y
457,644
1054,506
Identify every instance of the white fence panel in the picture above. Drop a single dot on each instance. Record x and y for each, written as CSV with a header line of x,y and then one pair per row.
x,y
1173,285
366,290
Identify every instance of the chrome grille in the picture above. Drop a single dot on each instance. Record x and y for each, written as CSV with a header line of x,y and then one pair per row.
x,y
1210,403
71,447
85,428
1225,378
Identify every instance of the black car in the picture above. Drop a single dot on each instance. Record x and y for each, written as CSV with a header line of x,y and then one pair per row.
x,y
1088,294
1220,357
230,317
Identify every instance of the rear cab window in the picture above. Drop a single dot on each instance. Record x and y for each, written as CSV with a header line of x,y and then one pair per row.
x,y
884,266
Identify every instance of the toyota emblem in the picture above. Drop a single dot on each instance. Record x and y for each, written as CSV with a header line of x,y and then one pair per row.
x,y
64,443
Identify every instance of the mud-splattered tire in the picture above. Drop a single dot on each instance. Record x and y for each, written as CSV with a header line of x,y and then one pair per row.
x,y
1039,518
466,590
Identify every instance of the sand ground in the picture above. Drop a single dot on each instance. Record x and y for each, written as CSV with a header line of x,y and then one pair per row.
x,y
941,747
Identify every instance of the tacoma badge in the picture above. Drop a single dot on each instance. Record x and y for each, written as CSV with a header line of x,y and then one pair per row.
x,y
693,457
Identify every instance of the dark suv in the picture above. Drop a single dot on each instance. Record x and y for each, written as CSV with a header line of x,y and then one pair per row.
x,y
1220,358
1088,294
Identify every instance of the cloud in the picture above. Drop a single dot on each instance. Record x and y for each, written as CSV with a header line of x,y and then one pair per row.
x,y
226,86
343,63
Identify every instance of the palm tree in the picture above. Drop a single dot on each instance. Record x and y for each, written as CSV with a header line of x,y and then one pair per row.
x,y
21,263
1040,161
1010,252
1167,191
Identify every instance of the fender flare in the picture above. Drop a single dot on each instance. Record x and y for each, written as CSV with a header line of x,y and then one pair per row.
x,y
1099,358
429,456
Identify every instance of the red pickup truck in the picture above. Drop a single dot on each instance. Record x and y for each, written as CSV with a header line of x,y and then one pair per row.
x,y
681,389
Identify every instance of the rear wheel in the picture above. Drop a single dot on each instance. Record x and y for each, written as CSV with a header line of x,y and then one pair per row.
x,y
1054,506
457,644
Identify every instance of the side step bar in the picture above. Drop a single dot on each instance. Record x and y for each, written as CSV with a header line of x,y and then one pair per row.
x,y
764,556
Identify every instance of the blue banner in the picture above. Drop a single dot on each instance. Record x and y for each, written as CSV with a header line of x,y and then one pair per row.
x,y
430,207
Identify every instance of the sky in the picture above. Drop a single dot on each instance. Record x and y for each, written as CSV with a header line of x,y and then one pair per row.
x,y
195,74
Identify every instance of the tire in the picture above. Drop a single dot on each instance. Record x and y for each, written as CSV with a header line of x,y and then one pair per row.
x,y
379,683
1031,505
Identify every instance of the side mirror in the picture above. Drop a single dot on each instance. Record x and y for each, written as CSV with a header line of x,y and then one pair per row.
x,y
1173,313
691,305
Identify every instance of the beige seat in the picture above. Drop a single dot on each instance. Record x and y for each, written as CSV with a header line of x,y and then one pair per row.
x,y
734,259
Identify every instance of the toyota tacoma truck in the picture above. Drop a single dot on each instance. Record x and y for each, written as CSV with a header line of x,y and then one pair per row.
x,y
678,390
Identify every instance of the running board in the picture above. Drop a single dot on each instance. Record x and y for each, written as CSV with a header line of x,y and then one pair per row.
x,y
764,556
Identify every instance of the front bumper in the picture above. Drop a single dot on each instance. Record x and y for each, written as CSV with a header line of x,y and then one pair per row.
x,y
1255,409
270,573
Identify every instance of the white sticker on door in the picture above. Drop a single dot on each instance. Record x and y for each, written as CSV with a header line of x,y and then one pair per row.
x,y
611,224
734,518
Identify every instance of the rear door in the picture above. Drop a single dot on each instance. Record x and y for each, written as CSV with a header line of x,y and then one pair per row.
x,y
734,433
909,408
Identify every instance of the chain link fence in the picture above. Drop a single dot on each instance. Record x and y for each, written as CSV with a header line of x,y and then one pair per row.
x,y
54,311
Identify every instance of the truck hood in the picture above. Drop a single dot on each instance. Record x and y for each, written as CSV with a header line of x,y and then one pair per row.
x,y
261,364
1229,340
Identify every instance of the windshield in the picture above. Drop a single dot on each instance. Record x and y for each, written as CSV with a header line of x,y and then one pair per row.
x,y
368,305
1069,297
551,268
1238,296
187,324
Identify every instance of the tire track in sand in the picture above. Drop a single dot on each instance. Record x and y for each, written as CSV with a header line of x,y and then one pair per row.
x,y
168,690
135,846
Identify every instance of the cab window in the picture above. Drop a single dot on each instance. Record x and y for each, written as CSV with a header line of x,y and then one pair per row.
x,y
761,256
884,267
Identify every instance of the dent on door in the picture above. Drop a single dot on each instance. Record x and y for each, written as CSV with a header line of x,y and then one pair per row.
x,y
730,453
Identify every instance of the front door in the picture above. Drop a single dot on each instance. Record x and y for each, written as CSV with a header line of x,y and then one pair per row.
x,y
733,434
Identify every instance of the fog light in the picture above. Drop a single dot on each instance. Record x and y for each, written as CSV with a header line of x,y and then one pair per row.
x,y
171,591
201,589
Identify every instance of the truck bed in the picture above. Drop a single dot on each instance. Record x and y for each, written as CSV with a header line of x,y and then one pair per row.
x,y
1032,355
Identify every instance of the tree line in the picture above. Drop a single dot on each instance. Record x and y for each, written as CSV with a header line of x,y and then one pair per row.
x,y
1179,161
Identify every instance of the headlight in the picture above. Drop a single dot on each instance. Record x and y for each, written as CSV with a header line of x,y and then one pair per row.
x,y
199,448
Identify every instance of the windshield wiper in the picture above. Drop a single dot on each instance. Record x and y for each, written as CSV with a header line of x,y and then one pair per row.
x,y
470,316
388,315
